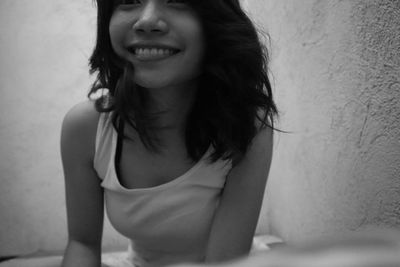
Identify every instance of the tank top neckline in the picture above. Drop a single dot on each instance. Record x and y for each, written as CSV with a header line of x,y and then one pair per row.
x,y
162,186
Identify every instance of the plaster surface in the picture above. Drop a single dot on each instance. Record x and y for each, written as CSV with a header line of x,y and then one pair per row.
x,y
44,48
336,71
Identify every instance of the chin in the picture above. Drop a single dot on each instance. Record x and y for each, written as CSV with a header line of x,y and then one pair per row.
x,y
158,83
152,84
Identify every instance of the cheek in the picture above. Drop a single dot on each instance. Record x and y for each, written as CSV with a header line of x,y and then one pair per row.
x,y
193,33
117,29
198,43
198,32
197,38
115,36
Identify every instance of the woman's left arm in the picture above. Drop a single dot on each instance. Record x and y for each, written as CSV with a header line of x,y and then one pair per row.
x,y
236,218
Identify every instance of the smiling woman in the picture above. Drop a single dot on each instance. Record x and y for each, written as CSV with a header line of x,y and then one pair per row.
x,y
337,171
181,143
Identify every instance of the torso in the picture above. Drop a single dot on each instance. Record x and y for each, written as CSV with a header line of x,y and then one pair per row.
x,y
165,209
141,168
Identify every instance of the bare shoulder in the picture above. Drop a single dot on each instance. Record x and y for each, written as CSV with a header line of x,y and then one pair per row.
x,y
263,140
82,114
260,146
79,127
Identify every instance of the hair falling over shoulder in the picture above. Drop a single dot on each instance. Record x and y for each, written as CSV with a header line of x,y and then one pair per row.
x,y
234,95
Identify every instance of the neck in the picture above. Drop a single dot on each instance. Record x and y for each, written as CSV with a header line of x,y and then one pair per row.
x,y
172,106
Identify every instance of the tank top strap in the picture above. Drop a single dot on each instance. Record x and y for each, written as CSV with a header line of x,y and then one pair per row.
x,y
105,144
118,152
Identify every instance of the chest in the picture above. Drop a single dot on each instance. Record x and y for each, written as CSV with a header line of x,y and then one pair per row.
x,y
141,168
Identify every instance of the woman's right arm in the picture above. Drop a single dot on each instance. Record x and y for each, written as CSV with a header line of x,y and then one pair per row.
x,y
84,195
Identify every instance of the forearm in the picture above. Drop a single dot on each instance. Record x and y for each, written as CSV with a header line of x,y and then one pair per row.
x,y
79,254
226,251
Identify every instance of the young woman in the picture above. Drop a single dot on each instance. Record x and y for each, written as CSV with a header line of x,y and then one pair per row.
x,y
179,145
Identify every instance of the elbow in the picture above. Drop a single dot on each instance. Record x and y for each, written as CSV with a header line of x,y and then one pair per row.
x,y
81,254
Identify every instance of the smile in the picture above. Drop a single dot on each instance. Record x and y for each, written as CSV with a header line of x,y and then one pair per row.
x,y
152,53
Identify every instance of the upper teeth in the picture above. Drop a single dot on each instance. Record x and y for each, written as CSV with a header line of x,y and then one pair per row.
x,y
153,51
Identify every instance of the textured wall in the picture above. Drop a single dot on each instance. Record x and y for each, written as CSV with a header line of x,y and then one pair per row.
x,y
44,46
336,68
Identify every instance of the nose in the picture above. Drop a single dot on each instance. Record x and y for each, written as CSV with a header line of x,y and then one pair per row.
x,y
150,20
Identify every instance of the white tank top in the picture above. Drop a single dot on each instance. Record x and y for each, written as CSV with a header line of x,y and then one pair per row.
x,y
166,224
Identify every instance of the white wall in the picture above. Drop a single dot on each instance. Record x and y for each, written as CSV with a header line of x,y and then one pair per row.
x,y
44,48
336,68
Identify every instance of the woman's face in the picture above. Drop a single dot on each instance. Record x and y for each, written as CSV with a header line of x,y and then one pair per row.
x,y
163,39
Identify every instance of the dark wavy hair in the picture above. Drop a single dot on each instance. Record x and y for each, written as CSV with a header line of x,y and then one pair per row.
x,y
234,99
